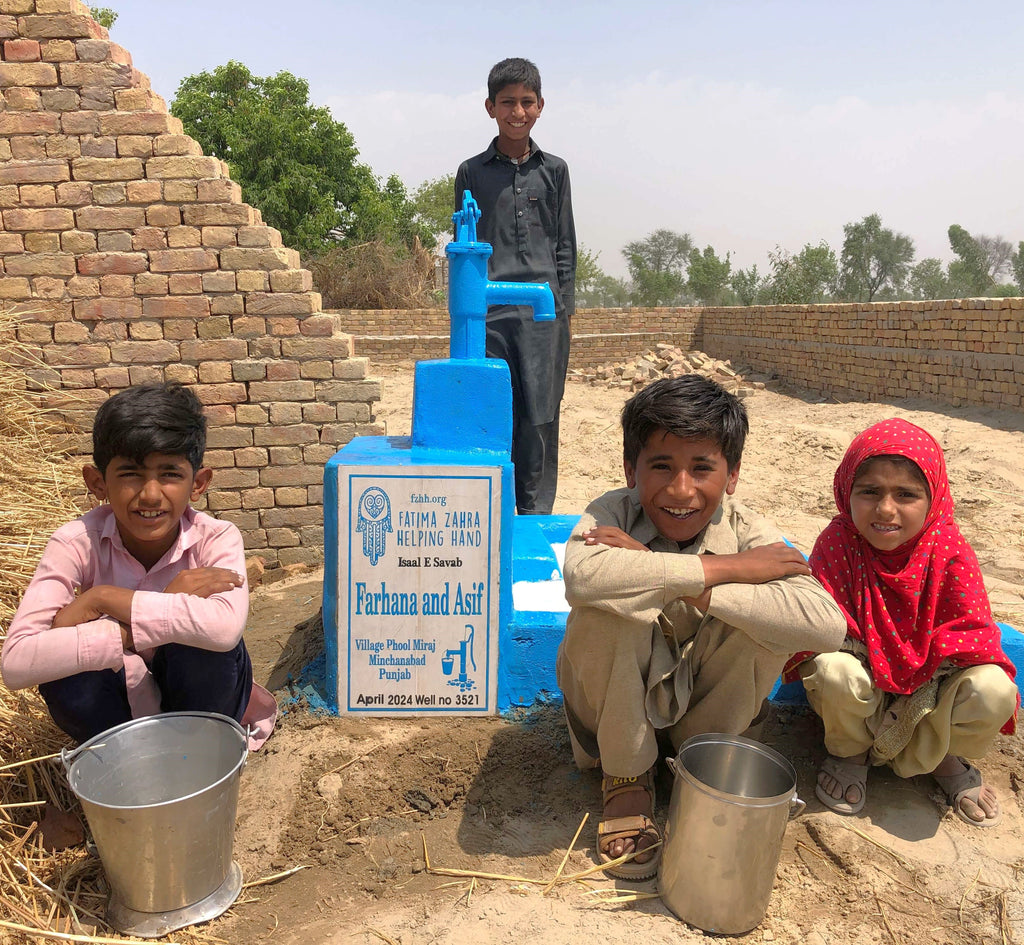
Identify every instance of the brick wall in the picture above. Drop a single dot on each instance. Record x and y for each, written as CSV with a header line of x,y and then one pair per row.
x,y
130,257
963,351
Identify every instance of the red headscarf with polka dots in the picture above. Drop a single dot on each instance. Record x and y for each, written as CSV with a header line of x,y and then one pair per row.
x,y
922,603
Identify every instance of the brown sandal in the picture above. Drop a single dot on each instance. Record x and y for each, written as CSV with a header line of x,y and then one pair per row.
x,y
634,827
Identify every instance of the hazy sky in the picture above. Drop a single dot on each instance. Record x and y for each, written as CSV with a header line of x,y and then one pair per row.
x,y
746,124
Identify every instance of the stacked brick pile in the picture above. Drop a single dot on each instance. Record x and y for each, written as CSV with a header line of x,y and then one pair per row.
x,y
131,258
667,361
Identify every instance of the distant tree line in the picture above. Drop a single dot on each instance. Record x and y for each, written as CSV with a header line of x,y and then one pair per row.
x,y
371,243
875,264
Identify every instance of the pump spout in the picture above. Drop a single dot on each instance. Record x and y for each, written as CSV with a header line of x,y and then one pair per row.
x,y
535,294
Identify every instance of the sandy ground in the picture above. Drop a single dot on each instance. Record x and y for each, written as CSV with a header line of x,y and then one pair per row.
x,y
356,800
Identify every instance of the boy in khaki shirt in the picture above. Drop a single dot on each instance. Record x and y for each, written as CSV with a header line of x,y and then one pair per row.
x,y
685,605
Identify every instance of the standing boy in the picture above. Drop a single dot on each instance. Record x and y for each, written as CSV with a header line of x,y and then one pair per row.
x,y
526,215
685,605
138,607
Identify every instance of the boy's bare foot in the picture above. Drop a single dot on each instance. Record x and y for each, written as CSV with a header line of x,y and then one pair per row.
x,y
842,783
629,826
973,801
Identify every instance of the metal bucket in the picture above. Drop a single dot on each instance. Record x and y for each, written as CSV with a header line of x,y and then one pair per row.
x,y
160,794
731,800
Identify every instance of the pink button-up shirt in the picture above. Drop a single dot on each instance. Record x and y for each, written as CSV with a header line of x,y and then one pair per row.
x,y
88,552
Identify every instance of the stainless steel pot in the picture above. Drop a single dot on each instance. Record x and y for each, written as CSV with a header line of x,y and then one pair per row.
x,y
731,800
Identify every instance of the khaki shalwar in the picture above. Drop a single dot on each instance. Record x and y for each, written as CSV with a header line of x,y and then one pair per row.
x,y
635,658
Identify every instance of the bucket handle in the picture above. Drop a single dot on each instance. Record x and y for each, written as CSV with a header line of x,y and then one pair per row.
x,y
796,806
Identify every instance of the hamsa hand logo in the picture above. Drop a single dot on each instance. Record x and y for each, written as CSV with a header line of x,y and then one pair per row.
x,y
373,519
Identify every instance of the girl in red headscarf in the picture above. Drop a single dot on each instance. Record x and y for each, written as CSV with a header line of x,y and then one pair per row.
x,y
921,679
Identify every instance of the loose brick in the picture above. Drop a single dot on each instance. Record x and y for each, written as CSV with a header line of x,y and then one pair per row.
x,y
104,75
42,242
219,214
140,146
117,286
256,236
80,123
29,123
215,372
222,190
216,326
38,195
72,333
110,218
283,538
32,74
77,355
41,264
256,498
291,280
306,349
283,326
317,370
106,168
34,172
183,306
251,413
290,496
63,146
353,412
219,501
276,518
282,303
48,218
110,331
180,329
236,257
248,327
145,331
83,287
297,433
321,413
114,241
28,148
23,100
21,50
144,352
11,288
98,146
146,374
163,216
283,371
249,370
11,243
102,263
182,373
139,100
218,281
335,391
217,237
168,145
290,476
139,123
180,191
109,194
183,237
176,168
57,50
229,437
182,260
144,191
185,283
221,393
149,237
227,305
96,309
284,413
226,349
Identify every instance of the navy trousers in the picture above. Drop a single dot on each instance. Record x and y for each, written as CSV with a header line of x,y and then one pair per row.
x,y
190,679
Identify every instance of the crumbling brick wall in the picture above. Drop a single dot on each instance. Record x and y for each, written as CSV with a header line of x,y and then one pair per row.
x,y
131,258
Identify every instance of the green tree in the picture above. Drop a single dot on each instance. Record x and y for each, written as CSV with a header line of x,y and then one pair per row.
x,y
928,280
292,159
875,261
809,276
1017,263
749,285
998,255
594,287
103,15
657,266
969,272
707,276
433,203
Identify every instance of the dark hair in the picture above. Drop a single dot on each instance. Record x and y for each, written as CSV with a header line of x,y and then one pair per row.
x,y
151,418
691,407
904,462
513,72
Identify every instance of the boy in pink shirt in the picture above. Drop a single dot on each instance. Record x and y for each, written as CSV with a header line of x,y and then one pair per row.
x,y
138,606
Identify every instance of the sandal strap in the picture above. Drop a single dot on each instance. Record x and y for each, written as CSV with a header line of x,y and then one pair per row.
x,y
636,825
614,786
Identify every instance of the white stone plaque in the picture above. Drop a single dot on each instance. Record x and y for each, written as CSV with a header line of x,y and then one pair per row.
x,y
418,589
